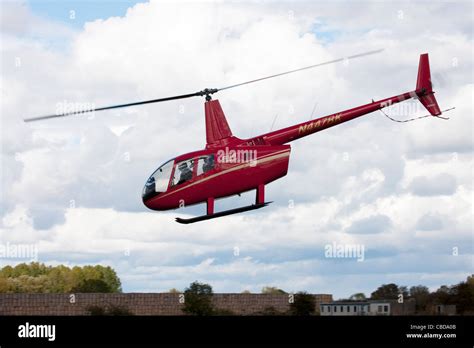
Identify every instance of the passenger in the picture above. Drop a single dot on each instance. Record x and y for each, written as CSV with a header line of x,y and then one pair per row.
x,y
208,164
186,173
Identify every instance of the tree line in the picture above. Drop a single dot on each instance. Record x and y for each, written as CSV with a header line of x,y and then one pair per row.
x,y
461,295
38,278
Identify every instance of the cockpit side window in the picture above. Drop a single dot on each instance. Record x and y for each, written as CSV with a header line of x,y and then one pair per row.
x,y
205,164
183,172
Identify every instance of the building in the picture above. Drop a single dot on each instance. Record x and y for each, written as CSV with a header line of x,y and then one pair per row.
x,y
345,308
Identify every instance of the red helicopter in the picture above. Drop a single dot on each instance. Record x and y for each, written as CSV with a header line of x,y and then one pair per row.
x,y
229,165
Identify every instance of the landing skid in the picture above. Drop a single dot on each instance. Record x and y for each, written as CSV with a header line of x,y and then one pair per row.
x,y
222,213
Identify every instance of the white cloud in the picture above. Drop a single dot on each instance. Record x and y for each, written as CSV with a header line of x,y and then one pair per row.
x,y
430,222
373,224
442,184
73,185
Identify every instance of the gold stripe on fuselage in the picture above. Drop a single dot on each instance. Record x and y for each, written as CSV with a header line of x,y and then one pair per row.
x,y
263,159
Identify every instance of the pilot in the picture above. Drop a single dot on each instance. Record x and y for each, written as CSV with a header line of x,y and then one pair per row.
x,y
186,173
150,184
149,188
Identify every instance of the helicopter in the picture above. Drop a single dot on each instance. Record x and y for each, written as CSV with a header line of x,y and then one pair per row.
x,y
229,165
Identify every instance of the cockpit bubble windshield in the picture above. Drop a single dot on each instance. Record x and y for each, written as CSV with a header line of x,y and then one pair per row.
x,y
158,181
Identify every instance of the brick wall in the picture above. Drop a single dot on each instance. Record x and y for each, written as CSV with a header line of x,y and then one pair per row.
x,y
138,303
406,308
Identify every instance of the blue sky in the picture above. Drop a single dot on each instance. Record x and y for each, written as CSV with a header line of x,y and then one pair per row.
x,y
84,11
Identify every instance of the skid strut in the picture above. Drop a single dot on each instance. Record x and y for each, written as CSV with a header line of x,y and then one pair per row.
x,y
259,203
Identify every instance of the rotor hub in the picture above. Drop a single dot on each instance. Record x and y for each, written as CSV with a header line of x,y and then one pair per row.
x,y
208,92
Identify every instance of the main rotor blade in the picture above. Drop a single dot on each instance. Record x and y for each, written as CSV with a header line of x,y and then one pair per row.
x,y
305,68
113,107
206,92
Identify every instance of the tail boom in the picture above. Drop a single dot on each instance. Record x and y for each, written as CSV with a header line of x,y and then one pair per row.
x,y
424,92
300,130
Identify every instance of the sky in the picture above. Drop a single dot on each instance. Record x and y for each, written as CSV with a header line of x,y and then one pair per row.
x,y
401,191
76,13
